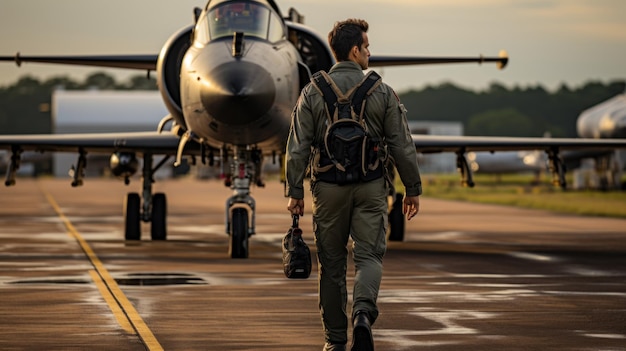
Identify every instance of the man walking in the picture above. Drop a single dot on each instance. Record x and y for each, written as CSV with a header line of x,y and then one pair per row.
x,y
348,206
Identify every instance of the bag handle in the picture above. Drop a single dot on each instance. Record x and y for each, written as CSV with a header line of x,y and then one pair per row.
x,y
296,219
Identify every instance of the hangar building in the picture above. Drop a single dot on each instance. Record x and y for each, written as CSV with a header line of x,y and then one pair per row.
x,y
442,162
97,111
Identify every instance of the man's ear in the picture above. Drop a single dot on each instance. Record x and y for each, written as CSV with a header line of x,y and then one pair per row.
x,y
354,52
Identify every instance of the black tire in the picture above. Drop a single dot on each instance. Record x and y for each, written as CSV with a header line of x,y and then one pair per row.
x,y
132,219
396,220
239,234
158,229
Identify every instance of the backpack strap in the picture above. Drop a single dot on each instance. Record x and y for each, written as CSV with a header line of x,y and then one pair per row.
x,y
332,94
320,81
371,81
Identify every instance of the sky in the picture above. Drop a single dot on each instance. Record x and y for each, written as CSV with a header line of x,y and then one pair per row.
x,y
549,42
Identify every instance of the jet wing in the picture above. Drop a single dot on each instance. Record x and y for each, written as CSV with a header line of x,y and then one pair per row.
x,y
552,146
167,143
149,62
441,143
142,142
143,62
374,61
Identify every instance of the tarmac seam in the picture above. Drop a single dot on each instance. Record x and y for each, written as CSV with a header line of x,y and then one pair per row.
x,y
116,299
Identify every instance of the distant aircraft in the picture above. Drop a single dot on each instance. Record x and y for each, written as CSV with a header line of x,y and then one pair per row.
x,y
507,162
229,82
606,120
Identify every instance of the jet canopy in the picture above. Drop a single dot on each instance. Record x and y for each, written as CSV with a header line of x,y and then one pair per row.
x,y
252,18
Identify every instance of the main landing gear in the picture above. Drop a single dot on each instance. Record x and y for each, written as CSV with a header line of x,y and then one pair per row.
x,y
244,169
555,164
396,218
148,207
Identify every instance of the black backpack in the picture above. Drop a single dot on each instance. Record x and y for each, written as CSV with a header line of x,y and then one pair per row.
x,y
348,153
296,253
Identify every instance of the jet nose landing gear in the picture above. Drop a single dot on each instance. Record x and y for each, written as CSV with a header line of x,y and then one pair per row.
x,y
240,208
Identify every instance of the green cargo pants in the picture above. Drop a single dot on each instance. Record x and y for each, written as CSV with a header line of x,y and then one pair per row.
x,y
360,211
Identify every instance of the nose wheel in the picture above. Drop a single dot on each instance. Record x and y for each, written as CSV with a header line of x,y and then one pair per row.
x,y
239,234
240,207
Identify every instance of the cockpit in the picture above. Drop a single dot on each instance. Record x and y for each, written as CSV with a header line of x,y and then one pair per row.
x,y
252,18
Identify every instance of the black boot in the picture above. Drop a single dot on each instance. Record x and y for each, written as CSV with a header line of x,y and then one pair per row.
x,y
362,333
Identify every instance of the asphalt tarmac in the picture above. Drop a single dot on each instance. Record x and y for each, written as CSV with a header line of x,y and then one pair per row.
x,y
467,276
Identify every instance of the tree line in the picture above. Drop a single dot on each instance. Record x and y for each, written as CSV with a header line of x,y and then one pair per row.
x,y
498,110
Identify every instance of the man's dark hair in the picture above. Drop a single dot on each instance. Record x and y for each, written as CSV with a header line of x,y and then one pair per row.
x,y
346,35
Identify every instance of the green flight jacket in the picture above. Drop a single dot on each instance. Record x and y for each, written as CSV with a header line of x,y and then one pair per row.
x,y
385,117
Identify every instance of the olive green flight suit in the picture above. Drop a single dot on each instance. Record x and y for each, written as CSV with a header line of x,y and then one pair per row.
x,y
356,210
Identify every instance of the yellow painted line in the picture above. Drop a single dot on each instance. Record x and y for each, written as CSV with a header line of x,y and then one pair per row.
x,y
122,320
116,294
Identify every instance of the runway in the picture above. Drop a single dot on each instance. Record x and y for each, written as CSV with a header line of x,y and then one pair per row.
x,y
467,276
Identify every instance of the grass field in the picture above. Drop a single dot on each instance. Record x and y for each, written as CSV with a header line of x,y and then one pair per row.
x,y
526,191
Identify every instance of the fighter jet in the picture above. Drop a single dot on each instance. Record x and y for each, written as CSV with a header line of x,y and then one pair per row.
x,y
230,80
606,120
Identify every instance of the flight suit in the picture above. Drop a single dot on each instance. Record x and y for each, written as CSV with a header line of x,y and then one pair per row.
x,y
357,210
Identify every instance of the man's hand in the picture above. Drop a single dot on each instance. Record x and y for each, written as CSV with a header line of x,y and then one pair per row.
x,y
296,206
410,206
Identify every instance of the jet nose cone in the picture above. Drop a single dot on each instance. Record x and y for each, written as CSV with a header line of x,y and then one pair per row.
x,y
238,93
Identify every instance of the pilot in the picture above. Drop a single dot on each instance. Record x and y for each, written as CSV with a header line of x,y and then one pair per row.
x,y
357,210
238,17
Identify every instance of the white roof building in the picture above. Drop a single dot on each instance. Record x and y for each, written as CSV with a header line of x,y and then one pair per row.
x,y
441,162
96,111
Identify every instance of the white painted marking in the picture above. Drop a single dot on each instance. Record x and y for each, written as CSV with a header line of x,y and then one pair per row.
x,y
533,257
606,336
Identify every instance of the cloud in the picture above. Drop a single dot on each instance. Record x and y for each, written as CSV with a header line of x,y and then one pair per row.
x,y
601,20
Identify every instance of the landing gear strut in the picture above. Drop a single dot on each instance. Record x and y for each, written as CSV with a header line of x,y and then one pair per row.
x,y
16,157
240,207
78,172
557,167
467,178
153,209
